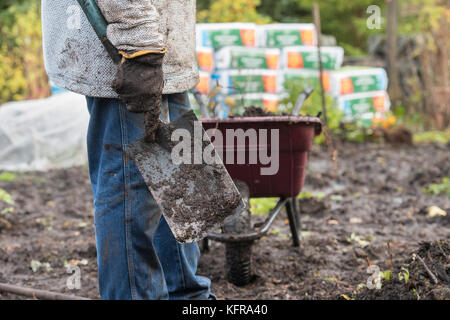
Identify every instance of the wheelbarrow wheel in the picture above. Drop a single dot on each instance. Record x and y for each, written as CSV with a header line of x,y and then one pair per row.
x,y
239,262
239,254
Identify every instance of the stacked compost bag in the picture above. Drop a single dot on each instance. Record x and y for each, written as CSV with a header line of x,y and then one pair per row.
x,y
244,64
361,93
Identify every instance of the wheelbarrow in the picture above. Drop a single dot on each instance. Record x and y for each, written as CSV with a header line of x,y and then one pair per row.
x,y
296,135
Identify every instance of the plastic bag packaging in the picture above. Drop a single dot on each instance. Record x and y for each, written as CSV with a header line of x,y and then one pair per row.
x,y
364,106
286,34
44,134
218,35
204,85
248,58
249,81
307,58
358,79
205,58
302,78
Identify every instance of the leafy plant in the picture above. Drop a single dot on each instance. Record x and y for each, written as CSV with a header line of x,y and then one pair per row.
x,y
233,11
439,188
6,197
7,176
260,206
308,195
386,275
432,136
313,105
362,241
403,275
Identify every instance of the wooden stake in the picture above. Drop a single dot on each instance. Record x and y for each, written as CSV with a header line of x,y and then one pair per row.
x,y
392,21
329,140
316,14
390,254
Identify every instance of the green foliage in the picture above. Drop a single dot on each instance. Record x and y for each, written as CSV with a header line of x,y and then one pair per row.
x,y
423,15
260,206
7,176
313,105
286,11
308,195
439,188
386,275
6,197
7,210
363,241
21,65
403,275
432,136
233,11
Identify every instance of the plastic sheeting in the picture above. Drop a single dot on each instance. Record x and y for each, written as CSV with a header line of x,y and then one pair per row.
x,y
44,134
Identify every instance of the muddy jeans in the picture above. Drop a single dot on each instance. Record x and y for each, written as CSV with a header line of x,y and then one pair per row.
x,y
138,257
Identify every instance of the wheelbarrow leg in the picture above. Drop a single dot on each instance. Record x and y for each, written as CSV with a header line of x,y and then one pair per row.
x,y
293,221
297,214
205,247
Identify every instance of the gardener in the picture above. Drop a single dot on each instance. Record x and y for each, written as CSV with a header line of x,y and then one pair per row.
x,y
138,257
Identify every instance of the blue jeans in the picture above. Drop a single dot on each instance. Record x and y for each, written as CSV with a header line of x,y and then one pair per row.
x,y
138,257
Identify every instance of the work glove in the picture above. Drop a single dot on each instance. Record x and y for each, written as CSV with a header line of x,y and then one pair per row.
x,y
139,83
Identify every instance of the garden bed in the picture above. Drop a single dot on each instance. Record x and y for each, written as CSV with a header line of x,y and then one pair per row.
x,y
376,196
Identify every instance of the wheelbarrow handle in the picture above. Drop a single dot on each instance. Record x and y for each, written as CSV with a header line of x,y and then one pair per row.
x,y
99,24
301,100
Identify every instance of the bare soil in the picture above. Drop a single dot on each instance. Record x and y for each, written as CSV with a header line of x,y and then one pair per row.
x,y
376,196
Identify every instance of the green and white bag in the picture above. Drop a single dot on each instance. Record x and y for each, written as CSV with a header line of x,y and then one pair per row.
x,y
360,106
280,35
248,58
357,79
218,35
307,58
249,81
302,78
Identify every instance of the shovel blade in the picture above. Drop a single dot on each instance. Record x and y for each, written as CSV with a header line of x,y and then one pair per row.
x,y
194,198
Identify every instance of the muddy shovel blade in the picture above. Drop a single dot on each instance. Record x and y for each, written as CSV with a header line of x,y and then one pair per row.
x,y
194,198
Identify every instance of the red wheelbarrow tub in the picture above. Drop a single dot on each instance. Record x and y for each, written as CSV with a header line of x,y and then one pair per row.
x,y
296,135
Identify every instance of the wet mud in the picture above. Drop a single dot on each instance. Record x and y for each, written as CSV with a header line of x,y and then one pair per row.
x,y
377,197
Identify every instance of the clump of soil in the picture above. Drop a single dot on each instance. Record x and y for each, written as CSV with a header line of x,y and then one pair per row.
x,y
425,275
253,111
396,136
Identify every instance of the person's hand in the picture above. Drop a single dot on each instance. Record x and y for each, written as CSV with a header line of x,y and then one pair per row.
x,y
139,82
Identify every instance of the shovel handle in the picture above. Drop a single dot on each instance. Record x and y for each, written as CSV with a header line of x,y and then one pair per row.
x,y
99,24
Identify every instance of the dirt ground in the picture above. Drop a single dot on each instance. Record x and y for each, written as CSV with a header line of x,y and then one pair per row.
x,y
374,197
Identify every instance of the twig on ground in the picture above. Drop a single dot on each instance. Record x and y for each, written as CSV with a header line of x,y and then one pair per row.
x,y
36,294
442,250
433,277
390,254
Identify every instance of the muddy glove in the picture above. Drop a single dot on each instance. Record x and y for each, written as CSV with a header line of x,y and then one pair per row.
x,y
139,82
134,28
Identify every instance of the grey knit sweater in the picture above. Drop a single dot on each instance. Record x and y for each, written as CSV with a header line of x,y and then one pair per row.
x,y
76,60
